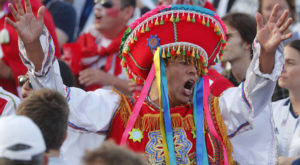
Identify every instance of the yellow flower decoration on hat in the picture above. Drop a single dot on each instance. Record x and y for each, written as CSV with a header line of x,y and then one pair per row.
x,y
136,135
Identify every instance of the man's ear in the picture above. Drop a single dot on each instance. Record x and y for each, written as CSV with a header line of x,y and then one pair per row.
x,y
246,45
128,12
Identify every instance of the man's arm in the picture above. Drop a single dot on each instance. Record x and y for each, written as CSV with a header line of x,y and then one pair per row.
x,y
89,111
240,105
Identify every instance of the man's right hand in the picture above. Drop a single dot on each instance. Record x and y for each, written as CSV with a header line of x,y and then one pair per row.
x,y
27,26
270,35
29,30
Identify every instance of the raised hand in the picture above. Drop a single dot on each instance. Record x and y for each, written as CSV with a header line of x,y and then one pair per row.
x,y
29,30
27,26
273,32
270,36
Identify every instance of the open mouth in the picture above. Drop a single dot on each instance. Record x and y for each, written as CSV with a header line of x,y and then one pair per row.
x,y
98,17
188,87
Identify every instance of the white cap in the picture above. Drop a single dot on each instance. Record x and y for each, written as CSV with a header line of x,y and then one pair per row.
x,y
20,138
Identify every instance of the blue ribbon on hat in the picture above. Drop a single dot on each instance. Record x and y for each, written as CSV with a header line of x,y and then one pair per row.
x,y
201,152
167,116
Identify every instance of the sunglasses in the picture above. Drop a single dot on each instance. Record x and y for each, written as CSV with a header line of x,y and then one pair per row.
x,y
22,79
104,3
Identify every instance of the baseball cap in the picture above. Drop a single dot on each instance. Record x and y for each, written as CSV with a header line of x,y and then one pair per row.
x,y
20,138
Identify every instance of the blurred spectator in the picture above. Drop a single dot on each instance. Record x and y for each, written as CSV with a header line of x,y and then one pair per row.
x,y
226,6
65,72
286,111
241,31
10,64
21,142
111,154
49,110
245,6
64,17
98,62
85,16
8,102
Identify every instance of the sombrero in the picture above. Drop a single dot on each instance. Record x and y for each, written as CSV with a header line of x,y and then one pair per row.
x,y
179,30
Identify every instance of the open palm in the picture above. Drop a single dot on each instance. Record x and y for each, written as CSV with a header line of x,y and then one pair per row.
x,y
272,33
27,26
